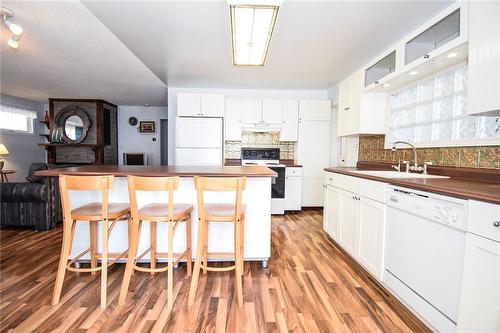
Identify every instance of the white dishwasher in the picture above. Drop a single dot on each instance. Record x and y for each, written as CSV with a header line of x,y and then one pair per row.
x,y
425,243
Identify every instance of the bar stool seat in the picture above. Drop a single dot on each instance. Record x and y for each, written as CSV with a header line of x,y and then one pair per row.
x,y
222,212
93,211
159,211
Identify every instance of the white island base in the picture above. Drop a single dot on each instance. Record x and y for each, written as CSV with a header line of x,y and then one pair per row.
x,y
256,197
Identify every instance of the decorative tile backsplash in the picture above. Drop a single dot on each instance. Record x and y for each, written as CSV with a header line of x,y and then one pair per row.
x,y
371,148
260,140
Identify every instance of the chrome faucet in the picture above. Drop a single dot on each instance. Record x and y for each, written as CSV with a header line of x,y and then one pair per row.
x,y
397,167
415,161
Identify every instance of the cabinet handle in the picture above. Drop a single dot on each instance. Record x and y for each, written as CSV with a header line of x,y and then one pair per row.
x,y
496,224
426,56
347,108
376,82
331,179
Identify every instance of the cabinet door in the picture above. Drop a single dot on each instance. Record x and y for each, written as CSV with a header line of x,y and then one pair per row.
x,y
344,106
188,105
272,110
371,236
212,105
290,123
349,217
315,110
331,211
293,193
355,104
232,119
483,93
252,111
479,300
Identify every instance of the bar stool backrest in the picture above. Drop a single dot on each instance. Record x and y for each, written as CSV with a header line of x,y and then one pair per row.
x,y
151,184
84,183
219,184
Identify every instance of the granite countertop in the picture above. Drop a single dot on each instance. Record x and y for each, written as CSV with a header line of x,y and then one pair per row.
x,y
163,170
463,188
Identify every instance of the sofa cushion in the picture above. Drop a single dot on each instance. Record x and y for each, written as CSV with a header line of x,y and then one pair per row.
x,y
23,192
31,173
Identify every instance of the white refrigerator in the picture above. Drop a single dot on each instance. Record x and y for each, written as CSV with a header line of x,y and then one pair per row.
x,y
198,141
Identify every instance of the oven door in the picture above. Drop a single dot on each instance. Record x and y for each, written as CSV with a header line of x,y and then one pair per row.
x,y
278,183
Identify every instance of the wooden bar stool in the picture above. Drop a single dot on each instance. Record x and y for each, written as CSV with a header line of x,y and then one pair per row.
x,y
171,213
93,213
208,212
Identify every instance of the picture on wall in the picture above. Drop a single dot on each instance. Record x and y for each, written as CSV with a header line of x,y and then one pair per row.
x,y
147,127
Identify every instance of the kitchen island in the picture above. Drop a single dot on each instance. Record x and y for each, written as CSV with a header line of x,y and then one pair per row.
x,y
256,197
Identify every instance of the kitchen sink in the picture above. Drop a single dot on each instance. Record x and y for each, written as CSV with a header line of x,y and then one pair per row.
x,y
395,174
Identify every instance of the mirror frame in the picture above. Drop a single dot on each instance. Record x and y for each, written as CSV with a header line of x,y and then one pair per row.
x,y
73,110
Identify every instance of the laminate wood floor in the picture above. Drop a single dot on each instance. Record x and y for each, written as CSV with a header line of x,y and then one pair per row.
x,y
310,286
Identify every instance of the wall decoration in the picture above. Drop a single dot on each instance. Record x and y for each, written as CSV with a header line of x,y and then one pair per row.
x,y
147,127
132,121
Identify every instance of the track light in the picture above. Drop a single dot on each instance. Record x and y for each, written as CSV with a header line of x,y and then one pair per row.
x,y
16,29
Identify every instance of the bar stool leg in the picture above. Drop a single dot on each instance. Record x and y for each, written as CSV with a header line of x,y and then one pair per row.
x,y
242,245
238,264
152,244
104,263
93,245
63,260
170,279
197,263
205,247
189,254
132,252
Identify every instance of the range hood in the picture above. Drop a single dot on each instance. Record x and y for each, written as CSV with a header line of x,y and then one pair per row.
x,y
260,127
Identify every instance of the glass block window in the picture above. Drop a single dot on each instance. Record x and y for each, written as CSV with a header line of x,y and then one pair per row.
x,y
433,112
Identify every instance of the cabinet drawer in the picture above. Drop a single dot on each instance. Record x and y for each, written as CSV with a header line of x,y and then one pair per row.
x,y
348,183
372,189
293,172
483,219
331,179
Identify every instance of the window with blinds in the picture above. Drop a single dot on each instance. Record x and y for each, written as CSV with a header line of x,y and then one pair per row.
x,y
17,120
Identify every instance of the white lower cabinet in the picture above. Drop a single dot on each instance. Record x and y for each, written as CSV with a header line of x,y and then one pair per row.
x,y
293,188
354,221
331,214
371,236
479,309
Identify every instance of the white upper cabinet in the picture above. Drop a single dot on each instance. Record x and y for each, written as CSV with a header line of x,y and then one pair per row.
x,y
200,105
358,112
290,122
272,110
232,119
212,105
252,111
188,105
484,58
315,110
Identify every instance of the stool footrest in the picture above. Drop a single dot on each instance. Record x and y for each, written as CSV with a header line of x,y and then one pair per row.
x,y
176,256
114,256
218,269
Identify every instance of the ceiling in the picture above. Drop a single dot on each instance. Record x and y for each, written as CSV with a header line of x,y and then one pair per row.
x,y
128,51
65,51
315,44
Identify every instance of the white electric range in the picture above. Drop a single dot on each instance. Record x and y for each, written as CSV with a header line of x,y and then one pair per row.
x,y
269,157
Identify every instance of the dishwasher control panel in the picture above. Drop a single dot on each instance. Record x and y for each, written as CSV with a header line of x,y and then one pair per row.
x,y
439,208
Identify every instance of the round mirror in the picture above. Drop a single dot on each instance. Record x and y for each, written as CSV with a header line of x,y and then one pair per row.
x,y
73,127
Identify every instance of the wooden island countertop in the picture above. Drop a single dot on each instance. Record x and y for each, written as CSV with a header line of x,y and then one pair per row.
x,y
161,170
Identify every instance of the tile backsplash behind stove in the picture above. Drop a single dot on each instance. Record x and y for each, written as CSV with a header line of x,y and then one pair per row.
x,y
260,140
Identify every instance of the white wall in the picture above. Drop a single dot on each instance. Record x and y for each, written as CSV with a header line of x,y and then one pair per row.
x,y
333,95
129,138
23,148
231,93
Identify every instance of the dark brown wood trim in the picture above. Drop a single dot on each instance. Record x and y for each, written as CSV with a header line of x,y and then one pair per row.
x,y
90,100
405,314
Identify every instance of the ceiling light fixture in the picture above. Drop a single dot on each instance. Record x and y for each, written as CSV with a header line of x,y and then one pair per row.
x,y
252,26
16,30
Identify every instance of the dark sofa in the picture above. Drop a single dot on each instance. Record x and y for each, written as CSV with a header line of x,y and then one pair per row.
x,y
35,203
